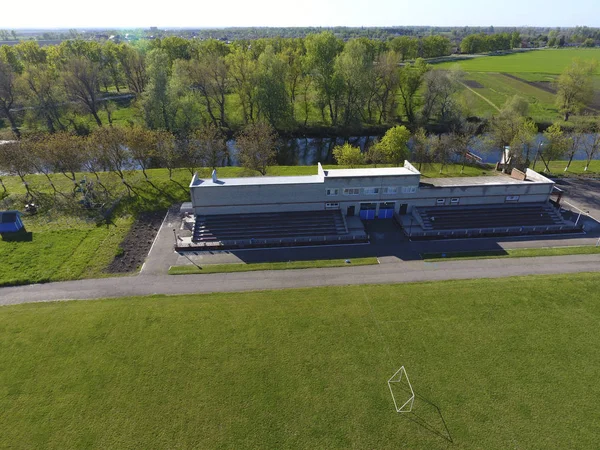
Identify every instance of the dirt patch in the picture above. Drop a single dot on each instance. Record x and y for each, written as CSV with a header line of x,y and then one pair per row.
x,y
546,86
473,84
136,245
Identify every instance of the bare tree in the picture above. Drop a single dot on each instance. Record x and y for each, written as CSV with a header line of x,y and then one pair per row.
x,y
113,151
81,77
256,145
8,94
142,146
15,160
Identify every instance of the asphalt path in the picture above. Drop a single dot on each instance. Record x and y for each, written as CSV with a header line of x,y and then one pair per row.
x,y
401,272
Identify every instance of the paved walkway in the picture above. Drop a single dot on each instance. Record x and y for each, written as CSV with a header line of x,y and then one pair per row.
x,y
398,272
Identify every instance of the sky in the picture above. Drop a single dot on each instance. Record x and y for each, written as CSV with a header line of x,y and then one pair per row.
x,y
16,14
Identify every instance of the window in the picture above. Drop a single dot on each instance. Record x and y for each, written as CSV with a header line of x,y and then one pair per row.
x,y
351,191
332,205
370,191
440,201
390,190
332,192
409,189
455,201
511,198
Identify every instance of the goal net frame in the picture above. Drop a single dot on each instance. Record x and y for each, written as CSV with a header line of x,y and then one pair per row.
x,y
398,378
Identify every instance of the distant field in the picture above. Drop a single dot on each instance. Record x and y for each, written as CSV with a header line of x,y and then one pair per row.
x,y
496,364
528,74
547,61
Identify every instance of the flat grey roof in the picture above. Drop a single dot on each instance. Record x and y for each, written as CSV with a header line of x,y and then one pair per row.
x,y
255,181
368,172
488,180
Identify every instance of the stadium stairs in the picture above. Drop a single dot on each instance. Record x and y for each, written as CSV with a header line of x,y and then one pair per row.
x,y
489,220
272,229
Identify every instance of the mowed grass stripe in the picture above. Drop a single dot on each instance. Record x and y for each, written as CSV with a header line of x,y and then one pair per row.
x,y
308,368
513,253
251,267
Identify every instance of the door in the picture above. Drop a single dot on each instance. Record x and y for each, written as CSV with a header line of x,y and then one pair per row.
x,y
350,211
403,208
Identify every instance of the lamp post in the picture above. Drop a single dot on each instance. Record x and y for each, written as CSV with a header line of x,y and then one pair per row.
x,y
536,154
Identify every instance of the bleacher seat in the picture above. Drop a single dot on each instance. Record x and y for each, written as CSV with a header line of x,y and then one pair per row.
x,y
488,216
281,225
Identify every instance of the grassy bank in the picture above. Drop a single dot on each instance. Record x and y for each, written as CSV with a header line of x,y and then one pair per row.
x,y
513,253
226,268
63,250
495,364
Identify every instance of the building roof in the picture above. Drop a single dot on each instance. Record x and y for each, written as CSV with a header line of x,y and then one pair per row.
x,y
255,181
487,180
368,172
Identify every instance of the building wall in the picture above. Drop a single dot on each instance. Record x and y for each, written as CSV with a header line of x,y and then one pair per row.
x,y
239,199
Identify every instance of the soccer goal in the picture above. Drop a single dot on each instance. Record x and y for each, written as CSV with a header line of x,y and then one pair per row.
x,y
402,391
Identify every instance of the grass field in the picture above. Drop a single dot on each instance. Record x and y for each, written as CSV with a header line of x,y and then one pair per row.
x,y
513,253
547,61
62,250
228,268
495,364
498,78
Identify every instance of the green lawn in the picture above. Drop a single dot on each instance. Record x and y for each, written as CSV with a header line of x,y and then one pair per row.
x,y
510,363
512,253
547,61
61,250
227,268
538,65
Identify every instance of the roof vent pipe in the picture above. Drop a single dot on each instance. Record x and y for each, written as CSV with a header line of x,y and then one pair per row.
x,y
214,175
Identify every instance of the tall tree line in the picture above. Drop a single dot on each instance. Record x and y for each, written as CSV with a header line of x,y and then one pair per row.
x,y
179,84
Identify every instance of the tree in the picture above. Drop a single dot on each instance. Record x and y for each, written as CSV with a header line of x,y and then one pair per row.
x,y
242,72
8,94
348,155
439,99
16,160
575,87
393,146
271,90
353,67
510,128
206,147
133,62
421,152
44,96
113,153
66,154
165,150
411,79
387,84
207,76
573,142
142,146
321,52
81,80
556,145
256,144
591,146
156,102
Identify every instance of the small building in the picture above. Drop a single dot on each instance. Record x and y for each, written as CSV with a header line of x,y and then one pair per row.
x,y
10,222
332,206
368,193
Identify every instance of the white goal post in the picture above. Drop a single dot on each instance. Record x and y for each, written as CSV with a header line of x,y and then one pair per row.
x,y
404,394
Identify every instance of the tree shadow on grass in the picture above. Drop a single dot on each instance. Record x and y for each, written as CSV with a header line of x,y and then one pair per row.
x,y
428,416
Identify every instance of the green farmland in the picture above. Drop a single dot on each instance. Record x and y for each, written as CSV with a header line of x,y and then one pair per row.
x,y
495,364
491,80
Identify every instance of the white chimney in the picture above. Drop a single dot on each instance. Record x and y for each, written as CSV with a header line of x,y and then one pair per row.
x,y
214,175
